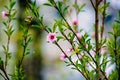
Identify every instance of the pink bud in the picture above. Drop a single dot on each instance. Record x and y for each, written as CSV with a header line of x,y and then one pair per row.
x,y
63,57
86,45
92,53
69,50
79,35
103,50
75,22
80,56
4,14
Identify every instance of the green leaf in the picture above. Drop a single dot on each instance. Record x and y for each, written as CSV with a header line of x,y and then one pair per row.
x,y
1,64
29,40
48,4
118,21
73,68
9,55
72,37
65,9
6,7
36,26
91,74
34,3
5,23
12,4
4,47
81,7
113,75
51,1
27,53
49,29
60,4
6,32
80,66
54,27
101,8
13,14
11,32
68,64
59,38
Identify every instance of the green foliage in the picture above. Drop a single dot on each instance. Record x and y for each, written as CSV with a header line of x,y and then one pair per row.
x,y
1,64
12,4
19,74
59,5
62,8
79,8
113,47
81,47
113,76
102,7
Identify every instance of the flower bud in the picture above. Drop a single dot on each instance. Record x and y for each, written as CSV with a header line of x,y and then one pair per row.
x,y
75,22
4,14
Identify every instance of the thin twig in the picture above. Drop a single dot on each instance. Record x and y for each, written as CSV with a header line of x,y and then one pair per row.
x,y
103,20
25,45
70,60
8,41
93,5
73,32
97,38
4,71
99,2
3,76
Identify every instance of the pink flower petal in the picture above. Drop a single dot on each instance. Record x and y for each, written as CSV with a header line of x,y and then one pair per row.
x,y
51,37
92,53
80,56
75,22
69,50
79,35
63,57
4,14
103,50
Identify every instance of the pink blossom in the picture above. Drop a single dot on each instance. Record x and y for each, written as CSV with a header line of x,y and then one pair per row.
x,y
75,22
63,57
80,56
85,45
79,35
4,14
51,37
92,53
69,50
103,50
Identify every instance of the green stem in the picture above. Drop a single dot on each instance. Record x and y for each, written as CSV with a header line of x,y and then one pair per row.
x,y
25,45
97,39
8,41
103,20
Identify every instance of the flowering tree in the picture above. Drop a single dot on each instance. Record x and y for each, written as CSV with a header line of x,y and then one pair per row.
x,y
93,55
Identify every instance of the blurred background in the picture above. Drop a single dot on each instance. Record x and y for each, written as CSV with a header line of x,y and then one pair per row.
x,y
43,62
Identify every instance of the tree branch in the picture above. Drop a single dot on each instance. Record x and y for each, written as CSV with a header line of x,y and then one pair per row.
x,y
70,60
93,5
